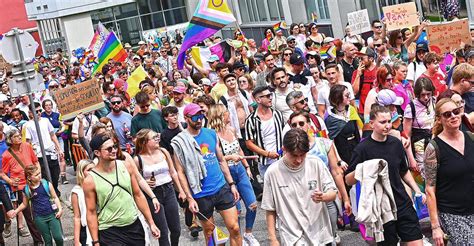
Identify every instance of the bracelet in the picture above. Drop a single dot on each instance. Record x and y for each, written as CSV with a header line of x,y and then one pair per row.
x,y
231,183
154,198
435,227
95,242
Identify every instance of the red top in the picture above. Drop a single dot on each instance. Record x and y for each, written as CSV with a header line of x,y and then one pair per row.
x,y
365,86
438,82
13,169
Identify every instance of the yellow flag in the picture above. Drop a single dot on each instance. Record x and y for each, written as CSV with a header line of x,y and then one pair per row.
x,y
134,81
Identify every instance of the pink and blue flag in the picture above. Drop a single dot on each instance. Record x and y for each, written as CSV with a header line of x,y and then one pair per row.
x,y
210,16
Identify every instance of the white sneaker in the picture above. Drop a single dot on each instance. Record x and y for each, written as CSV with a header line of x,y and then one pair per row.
x,y
337,239
250,239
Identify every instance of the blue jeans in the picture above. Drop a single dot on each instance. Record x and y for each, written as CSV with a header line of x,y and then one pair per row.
x,y
242,181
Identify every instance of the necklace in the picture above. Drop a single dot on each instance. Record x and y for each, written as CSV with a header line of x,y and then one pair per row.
x,y
290,167
342,113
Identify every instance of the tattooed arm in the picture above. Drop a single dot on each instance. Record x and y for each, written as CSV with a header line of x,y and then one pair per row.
x,y
431,172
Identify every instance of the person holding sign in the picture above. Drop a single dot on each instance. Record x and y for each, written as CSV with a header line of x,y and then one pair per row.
x,y
399,46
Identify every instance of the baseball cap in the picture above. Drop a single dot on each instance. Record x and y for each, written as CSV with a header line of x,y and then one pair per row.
x,y
213,58
127,46
296,59
422,46
387,97
97,141
366,51
192,109
238,65
179,89
53,82
136,57
205,81
290,38
141,42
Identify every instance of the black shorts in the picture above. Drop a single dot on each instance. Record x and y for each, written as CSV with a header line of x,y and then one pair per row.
x,y
222,200
406,227
132,234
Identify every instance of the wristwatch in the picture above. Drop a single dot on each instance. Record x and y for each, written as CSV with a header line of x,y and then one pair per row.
x,y
231,183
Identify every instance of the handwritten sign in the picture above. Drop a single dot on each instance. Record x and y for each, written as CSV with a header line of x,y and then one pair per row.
x,y
84,97
359,21
445,37
4,64
400,16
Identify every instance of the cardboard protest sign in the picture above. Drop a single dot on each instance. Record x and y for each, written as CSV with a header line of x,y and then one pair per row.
x,y
4,64
448,36
400,16
359,21
83,97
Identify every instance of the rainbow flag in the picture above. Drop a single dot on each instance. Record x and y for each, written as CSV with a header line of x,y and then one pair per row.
x,y
207,20
112,49
278,27
100,35
328,51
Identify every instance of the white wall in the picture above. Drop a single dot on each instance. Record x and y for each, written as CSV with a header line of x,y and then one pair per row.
x,y
79,30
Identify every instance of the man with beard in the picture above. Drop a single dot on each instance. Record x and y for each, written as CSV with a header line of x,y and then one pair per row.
x,y
269,61
297,102
364,77
303,81
179,93
205,176
348,63
280,81
263,130
122,121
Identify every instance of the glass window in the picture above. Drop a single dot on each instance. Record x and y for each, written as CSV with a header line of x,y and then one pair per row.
x,y
262,13
149,6
129,30
103,15
319,7
175,16
274,10
124,11
244,11
153,21
168,4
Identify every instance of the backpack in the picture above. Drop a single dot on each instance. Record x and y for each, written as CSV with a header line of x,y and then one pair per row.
x,y
224,101
45,185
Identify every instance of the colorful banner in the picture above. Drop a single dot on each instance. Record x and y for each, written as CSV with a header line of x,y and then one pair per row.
x,y
400,16
79,98
99,38
134,80
448,36
359,22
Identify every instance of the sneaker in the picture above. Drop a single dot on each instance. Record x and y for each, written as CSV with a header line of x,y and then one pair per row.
x,y
24,232
250,239
195,231
64,179
337,239
7,231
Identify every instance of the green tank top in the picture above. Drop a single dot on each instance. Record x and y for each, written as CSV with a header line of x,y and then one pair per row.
x,y
114,196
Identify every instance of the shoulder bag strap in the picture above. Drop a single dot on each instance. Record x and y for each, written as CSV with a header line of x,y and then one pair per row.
x,y
16,158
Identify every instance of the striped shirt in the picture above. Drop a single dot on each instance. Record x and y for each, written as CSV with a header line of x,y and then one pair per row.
x,y
253,131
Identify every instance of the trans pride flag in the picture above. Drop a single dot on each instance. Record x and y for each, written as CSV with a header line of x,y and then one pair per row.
x,y
210,16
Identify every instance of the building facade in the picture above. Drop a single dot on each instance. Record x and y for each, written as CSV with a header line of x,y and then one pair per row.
x,y
70,24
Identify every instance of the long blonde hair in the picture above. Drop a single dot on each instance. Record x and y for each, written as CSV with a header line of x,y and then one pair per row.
x,y
141,140
216,117
80,176
438,126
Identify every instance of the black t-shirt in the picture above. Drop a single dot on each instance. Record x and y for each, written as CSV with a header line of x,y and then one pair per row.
x,y
391,151
348,69
166,136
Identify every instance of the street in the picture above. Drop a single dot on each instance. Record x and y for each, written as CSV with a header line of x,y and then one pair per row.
x,y
347,237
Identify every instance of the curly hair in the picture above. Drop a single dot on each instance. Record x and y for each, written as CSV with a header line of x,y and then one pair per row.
x,y
216,117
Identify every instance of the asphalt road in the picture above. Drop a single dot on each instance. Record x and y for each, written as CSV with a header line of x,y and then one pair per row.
x,y
347,237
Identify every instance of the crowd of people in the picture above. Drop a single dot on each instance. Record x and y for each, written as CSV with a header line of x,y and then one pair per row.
x,y
287,124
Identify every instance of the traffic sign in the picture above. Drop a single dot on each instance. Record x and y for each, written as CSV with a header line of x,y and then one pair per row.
x,y
10,48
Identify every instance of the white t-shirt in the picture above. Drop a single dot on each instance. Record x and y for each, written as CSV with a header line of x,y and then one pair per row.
x,y
288,193
46,129
87,127
279,103
269,137
412,74
323,94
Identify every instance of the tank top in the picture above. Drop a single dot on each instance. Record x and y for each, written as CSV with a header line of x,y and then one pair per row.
x,y
160,170
40,201
114,196
230,148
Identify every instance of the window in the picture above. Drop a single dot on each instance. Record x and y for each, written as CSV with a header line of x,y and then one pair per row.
x,y
175,16
318,7
169,4
129,30
153,21
149,6
124,11
103,15
261,10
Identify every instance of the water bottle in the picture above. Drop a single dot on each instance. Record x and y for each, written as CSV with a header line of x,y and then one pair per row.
x,y
126,131
152,176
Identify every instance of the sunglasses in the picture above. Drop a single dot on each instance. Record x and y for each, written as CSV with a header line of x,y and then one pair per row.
x,y
287,54
111,148
461,103
145,106
377,45
378,27
156,138
39,111
196,118
454,112
116,102
291,42
302,101
270,95
296,124
53,86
